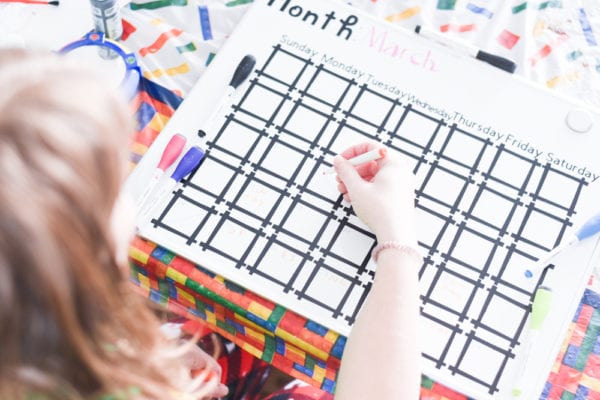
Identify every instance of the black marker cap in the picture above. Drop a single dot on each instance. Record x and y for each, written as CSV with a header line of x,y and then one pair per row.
x,y
497,61
242,71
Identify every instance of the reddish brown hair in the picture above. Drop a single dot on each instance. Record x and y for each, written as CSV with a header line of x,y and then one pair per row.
x,y
70,326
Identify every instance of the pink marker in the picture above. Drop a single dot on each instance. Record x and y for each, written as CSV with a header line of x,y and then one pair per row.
x,y
189,162
171,152
372,155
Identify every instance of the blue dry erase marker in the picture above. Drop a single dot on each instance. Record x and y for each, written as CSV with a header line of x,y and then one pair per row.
x,y
590,228
190,161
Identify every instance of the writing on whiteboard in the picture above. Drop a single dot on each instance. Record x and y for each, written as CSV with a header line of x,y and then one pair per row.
x,y
327,21
380,40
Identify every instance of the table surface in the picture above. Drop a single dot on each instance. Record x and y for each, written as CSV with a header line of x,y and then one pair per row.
x,y
553,42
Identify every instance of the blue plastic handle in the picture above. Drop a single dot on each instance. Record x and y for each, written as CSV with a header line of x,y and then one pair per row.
x,y
590,228
190,160
131,81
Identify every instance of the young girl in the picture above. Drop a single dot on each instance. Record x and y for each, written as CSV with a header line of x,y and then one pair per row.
x,y
71,328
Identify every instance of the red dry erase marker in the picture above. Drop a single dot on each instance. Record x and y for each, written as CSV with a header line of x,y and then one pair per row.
x,y
171,152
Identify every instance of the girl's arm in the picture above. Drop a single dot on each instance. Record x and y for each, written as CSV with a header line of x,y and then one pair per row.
x,y
382,355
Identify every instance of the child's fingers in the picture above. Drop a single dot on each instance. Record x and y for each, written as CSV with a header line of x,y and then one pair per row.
x,y
220,391
342,188
367,169
212,380
347,198
364,170
196,358
369,178
374,168
359,149
347,173
206,366
213,365
206,375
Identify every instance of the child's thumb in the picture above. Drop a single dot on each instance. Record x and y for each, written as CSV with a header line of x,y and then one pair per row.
x,y
347,173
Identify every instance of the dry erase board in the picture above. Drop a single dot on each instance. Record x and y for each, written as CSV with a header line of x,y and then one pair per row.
x,y
502,179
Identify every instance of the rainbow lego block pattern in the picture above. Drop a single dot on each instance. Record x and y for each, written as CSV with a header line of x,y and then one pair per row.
x,y
154,105
431,390
576,371
293,344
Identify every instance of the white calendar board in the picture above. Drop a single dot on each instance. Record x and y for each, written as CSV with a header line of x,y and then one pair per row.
x,y
501,177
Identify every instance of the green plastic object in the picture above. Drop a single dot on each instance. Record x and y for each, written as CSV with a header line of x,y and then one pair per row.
x,y
540,307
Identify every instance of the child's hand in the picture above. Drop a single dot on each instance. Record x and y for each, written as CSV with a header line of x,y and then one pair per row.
x,y
381,193
203,364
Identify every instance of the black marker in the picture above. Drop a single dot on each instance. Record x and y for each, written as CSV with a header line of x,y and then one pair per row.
x,y
241,73
499,62
195,155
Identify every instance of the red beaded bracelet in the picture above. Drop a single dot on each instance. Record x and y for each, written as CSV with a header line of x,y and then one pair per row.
x,y
404,248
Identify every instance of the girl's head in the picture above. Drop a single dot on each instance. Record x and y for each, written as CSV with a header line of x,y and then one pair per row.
x,y
69,326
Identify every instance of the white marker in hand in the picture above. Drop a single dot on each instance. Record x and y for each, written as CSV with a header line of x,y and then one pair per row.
x,y
372,155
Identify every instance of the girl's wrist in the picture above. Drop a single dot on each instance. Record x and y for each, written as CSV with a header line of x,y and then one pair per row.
x,y
402,233
396,253
392,245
